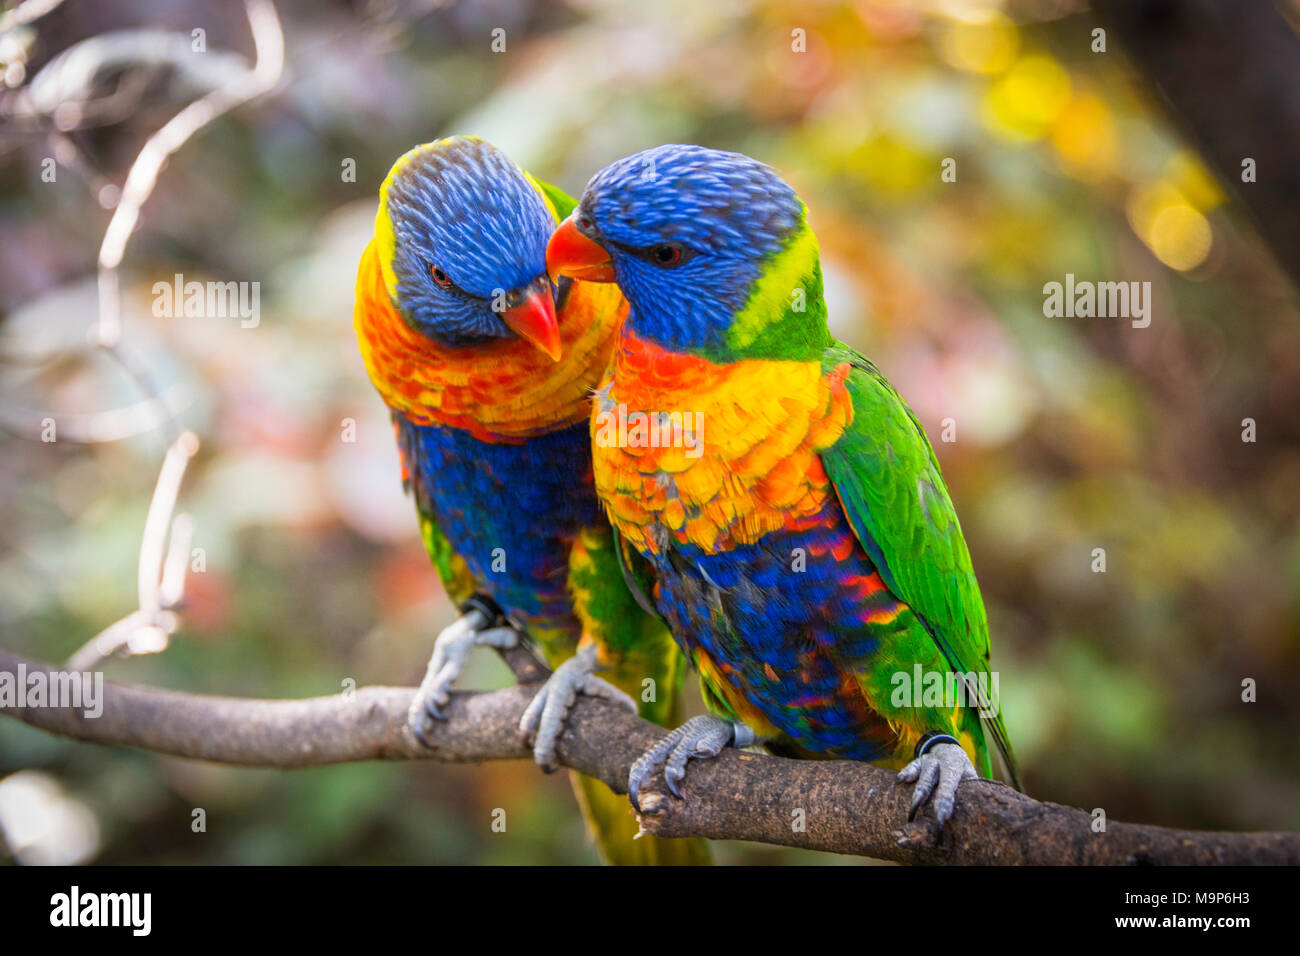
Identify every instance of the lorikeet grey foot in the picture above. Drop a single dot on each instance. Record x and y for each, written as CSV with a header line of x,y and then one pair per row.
x,y
700,737
545,715
452,646
942,763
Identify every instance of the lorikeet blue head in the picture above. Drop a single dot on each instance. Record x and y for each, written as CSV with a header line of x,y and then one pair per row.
x,y
709,247
462,237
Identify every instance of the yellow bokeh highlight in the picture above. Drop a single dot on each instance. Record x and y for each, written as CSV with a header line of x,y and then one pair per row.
x,y
1172,228
892,166
1084,137
985,46
1186,171
1181,237
1024,103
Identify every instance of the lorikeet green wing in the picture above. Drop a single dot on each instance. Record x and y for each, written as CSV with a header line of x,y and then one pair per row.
x,y
888,481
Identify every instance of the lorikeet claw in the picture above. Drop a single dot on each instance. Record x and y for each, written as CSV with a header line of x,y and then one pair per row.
x,y
548,709
475,627
700,737
940,760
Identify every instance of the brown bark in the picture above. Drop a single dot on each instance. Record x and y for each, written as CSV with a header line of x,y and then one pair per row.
x,y
846,807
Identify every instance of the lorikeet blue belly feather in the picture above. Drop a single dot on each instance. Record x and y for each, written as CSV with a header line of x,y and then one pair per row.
x,y
515,506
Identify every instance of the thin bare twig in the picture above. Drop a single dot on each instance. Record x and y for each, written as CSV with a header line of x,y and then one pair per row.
x,y
164,548
98,428
26,13
160,583
268,40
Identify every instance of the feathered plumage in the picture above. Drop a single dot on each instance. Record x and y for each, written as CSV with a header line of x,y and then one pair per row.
x,y
493,430
809,554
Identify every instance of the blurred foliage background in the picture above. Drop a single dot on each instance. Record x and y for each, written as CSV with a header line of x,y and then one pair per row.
x,y
1122,690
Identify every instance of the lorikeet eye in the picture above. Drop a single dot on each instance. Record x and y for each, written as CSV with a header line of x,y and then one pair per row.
x,y
667,255
441,277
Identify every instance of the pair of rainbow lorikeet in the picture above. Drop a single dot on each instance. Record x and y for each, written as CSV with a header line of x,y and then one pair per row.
x,y
800,550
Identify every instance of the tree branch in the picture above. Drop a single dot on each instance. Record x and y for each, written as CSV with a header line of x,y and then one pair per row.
x,y
848,807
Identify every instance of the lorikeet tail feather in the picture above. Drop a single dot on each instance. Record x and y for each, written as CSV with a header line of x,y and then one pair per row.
x,y
610,820
1010,768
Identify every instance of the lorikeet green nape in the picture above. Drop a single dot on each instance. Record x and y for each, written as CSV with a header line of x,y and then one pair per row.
x,y
801,544
488,371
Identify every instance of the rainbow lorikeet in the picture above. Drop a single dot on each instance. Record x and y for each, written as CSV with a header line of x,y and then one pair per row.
x,y
779,503
488,370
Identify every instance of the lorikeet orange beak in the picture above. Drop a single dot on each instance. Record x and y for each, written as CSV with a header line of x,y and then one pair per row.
x,y
533,318
570,253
